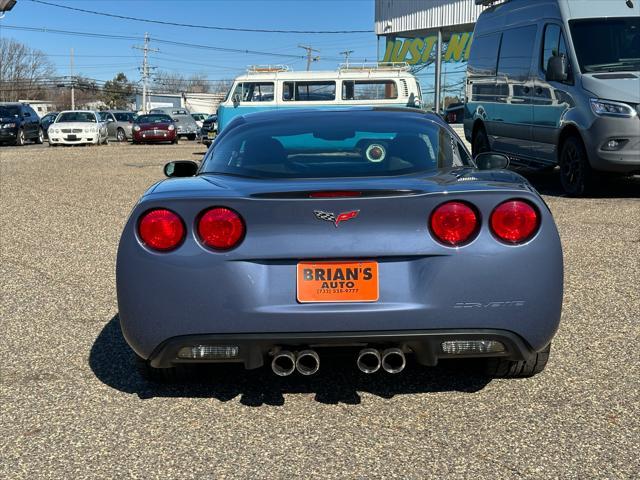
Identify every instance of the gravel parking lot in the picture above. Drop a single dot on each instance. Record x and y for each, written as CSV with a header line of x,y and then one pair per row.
x,y
72,405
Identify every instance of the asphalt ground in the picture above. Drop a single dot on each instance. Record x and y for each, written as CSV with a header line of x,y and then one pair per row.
x,y
73,406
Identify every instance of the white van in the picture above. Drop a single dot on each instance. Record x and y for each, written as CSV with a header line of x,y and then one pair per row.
x,y
557,82
265,88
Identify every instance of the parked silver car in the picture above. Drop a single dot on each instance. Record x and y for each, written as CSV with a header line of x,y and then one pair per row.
x,y
185,124
119,123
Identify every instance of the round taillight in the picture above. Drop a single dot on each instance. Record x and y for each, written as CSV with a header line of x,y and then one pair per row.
x,y
515,221
454,223
161,229
221,228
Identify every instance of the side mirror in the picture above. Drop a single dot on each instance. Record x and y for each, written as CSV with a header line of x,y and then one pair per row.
x,y
236,101
491,161
557,69
181,168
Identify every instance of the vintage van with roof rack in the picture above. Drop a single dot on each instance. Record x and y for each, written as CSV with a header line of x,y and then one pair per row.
x,y
268,87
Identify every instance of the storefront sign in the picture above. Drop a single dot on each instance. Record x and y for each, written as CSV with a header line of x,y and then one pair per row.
x,y
415,51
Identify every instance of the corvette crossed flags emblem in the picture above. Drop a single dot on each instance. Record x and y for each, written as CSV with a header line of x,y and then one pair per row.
x,y
335,219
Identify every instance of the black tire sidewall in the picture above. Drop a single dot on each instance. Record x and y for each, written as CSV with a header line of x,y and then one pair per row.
x,y
583,182
480,142
20,138
121,136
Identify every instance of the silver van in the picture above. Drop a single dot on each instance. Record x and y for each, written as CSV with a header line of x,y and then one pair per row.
x,y
557,82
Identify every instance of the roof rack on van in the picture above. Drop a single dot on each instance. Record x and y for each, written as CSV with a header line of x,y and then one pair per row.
x,y
267,68
486,3
375,66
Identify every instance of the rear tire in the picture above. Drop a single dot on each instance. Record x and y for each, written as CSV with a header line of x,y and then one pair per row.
x,y
40,137
503,368
576,175
121,136
480,142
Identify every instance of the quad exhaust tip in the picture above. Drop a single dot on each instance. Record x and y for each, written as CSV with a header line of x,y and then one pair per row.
x,y
393,360
283,363
307,362
369,360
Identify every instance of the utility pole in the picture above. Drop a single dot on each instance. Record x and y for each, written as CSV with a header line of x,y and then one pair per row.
x,y
73,84
346,54
145,68
310,57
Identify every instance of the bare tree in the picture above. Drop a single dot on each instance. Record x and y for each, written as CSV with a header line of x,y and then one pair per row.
x,y
170,82
24,72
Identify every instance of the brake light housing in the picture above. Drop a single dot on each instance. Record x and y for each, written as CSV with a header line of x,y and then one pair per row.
x,y
454,223
514,221
221,228
161,229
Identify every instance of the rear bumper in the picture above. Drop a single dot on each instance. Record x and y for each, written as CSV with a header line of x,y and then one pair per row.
x,y
425,345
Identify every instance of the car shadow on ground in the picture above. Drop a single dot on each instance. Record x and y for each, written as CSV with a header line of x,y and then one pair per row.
x,y
548,183
338,381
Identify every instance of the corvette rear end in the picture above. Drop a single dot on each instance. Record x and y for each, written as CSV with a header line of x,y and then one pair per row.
x,y
260,264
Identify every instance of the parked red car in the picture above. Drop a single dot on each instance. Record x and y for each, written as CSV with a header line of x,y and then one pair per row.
x,y
154,128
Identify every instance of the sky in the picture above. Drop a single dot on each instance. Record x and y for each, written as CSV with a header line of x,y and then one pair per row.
x,y
101,58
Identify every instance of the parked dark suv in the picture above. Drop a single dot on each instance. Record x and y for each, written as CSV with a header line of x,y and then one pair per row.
x,y
19,123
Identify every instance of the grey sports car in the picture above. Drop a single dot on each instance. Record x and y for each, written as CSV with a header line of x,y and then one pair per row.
x,y
369,232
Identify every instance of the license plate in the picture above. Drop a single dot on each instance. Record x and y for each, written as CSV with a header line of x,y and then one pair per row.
x,y
72,137
211,135
337,282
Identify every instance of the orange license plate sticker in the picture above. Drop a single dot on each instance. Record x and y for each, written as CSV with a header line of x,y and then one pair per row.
x,y
337,282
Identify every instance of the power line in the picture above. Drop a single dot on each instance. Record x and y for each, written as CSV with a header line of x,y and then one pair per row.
x,y
206,27
157,40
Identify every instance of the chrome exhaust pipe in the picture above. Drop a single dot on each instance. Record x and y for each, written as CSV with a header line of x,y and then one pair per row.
x,y
307,362
393,360
369,360
283,363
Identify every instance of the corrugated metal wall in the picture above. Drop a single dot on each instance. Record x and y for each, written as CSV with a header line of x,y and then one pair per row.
x,y
396,16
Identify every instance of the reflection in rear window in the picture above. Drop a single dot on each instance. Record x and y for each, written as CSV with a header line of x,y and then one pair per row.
x,y
333,145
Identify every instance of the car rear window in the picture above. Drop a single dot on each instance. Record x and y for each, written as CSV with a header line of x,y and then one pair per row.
x,y
334,145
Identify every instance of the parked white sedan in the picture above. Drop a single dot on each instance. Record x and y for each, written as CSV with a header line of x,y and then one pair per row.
x,y
78,127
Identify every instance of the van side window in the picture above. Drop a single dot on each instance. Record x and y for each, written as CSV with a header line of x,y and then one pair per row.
x,y
254,92
369,90
553,44
516,51
309,91
484,55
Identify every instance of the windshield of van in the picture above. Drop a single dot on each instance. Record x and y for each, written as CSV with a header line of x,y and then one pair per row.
x,y
330,145
607,44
